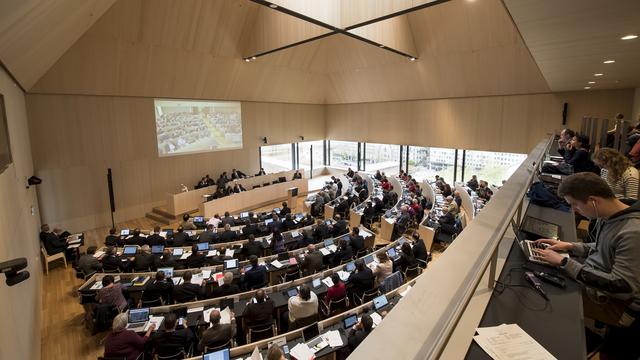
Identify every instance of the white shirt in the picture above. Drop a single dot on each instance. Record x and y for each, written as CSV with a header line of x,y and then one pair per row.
x,y
214,221
299,309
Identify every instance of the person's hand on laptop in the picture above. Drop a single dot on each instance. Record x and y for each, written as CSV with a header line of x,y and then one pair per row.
x,y
549,256
556,245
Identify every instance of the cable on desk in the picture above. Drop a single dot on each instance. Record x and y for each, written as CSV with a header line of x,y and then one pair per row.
x,y
502,286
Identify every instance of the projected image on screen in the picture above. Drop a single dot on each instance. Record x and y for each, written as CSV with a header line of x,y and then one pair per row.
x,y
185,127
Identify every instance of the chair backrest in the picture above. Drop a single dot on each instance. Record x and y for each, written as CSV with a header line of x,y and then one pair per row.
x,y
215,347
336,305
391,282
261,332
412,271
151,303
170,353
369,295
110,271
44,251
300,323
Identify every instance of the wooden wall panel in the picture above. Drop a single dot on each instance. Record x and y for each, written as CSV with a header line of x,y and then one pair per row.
x,y
76,138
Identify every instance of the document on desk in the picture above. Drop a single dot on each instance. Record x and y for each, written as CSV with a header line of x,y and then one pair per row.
x,y
325,251
225,316
176,280
212,253
277,264
229,252
510,342
255,355
195,309
206,274
377,319
343,275
154,320
185,256
327,281
301,352
73,246
207,314
197,279
333,338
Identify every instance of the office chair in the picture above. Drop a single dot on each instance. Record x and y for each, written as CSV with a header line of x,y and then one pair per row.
x,y
261,332
412,271
290,275
366,296
152,302
335,306
174,354
300,323
227,345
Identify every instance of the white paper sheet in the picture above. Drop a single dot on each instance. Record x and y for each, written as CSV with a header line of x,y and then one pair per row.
x,y
377,319
225,316
333,338
277,264
195,309
327,281
229,252
301,352
98,254
154,320
510,342
206,274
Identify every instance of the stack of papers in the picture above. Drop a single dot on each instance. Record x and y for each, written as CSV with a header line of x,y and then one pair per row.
x,y
206,274
74,246
325,251
229,252
277,264
96,286
332,248
333,338
377,319
301,352
212,253
195,309
510,342
327,281
154,320
343,275
185,255
197,279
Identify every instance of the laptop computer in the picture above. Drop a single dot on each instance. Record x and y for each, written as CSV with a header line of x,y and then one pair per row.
x,y
157,249
540,228
529,246
244,215
350,267
130,250
124,232
277,210
168,271
393,255
203,246
350,321
268,221
217,355
368,259
231,264
310,335
380,302
178,251
316,283
328,242
292,292
198,219
138,319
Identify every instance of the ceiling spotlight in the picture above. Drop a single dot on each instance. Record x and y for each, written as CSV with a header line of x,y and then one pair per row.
x,y
592,82
629,37
381,45
412,58
587,87
598,74
247,59
273,6
253,58
609,61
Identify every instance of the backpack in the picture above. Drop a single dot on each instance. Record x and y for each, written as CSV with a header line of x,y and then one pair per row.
x,y
540,195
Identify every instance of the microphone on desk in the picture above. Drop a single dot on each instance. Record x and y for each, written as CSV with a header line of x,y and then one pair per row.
x,y
533,280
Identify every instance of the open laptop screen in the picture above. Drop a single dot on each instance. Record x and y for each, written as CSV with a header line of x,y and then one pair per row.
x,y
124,232
130,250
138,315
349,321
168,271
231,264
310,332
178,251
380,302
157,249
217,355
203,246
198,219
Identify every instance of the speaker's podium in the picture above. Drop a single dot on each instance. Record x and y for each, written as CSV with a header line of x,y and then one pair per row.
x,y
293,198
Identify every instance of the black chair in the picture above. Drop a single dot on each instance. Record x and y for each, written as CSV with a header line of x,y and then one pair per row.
x,y
111,271
170,353
412,271
290,274
362,253
422,263
261,332
366,296
152,302
81,275
300,323
334,306
216,347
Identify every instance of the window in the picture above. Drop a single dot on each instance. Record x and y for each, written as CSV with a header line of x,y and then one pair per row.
x,y
276,158
383,157
426,163
494,167
304,152
343,154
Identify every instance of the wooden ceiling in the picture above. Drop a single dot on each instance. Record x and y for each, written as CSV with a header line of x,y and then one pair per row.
x,y
570,40
195,49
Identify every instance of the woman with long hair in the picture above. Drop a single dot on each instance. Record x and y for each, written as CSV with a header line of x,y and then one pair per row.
x,y
618,172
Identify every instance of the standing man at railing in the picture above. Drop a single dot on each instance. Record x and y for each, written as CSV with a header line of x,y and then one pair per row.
x,y
611,271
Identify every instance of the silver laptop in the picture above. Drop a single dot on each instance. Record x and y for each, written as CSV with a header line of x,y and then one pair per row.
x,y
138,319
529,246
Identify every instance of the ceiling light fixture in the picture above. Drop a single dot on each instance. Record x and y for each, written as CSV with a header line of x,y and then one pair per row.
x,y
247,59
592,82
629,37
587,87
609,61
253,58
598,74
412,58
273,6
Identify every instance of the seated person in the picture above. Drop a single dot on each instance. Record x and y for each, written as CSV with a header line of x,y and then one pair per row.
x,y
215,221
136,238
303,305
259,310
356,240
144,260
251,248
196,259
237,174
166,260
277,243
227,288
340,227
170,341
228,219
419,248
275,353
251,228
361,279
321,231
52,243
238,188
447,221
180,238
344,253
111,294
285,209
297,175
112,262
87,263
209,235
186,223
384,267
473,183
288,223
155,238
112,239
256,276
483,191
228,235
407,259
217,334
125,343
187,291
158,288
308,220
369,213
359,332
337,291
312,262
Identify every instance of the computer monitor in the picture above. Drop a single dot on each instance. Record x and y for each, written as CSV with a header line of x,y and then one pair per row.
x,y
124,232
268,221
310,332
198,219
231,264
203,246
157,249
349,321
130,250
292,292
138,315
328,222
316,283
391,252
168,271
282,179
168,231
217,355
277,210
178,251
244,215
380,302
368,259
328,242
402,241
350,267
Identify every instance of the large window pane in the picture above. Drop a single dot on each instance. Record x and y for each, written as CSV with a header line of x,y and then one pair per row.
x,y
344,154
383,157
276,157
304,151
426,163
494,167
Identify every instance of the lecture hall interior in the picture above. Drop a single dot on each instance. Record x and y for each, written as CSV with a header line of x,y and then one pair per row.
x,y
335,179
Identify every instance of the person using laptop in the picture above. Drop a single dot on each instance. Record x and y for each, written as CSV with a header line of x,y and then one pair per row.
x,y
251,248
340,227
155,238
228,235
112,239
217,334
419,248
169,341
158,288
186,223
344,252
312,262
289,223
384,267
144,260
187,291
111,294
124,343
87,263
356,240
611,272
255,276
180,238
285,209
337,291
302,306
166,260
259,310
215,221
135,239
407,258
112,262
358,333
361,279
208,235
227,288
196,259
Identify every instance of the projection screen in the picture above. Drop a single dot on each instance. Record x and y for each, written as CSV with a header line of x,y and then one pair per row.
x,y
190,126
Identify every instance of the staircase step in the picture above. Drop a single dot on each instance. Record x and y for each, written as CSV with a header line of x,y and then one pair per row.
x,y
158,218
162,211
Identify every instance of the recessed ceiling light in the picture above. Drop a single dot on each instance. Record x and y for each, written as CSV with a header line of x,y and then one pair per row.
x,y
247,59
629,37
598,74
253,58
592,82
587,87
609,61
412,58
381,45
273,6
